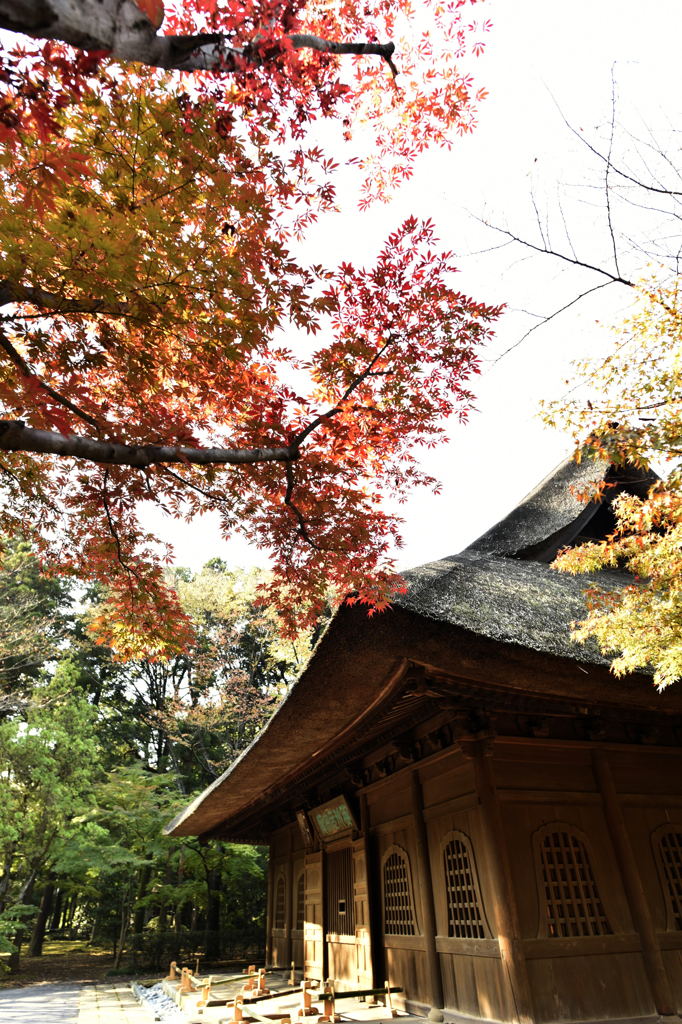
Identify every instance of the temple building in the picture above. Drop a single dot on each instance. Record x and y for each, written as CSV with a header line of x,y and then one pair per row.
x,y
461,800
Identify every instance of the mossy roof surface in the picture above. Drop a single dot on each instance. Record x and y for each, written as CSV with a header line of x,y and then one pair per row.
x,y
518,602
549,508
489,590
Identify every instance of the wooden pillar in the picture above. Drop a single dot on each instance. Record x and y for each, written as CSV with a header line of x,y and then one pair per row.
x,y
479,749
362,896
270,912
376,932
428,907
632,884
289,905
324,888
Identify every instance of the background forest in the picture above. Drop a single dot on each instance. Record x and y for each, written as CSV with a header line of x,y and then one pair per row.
x,y
97,756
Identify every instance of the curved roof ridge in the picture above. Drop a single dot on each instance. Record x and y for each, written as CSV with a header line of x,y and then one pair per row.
x,y
545,511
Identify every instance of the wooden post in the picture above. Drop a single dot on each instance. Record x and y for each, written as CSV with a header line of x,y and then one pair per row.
x,y
428,907
373,897
262,989
206,993
632,884
306,1007
270,908
329,1014
324,882
237,1011
388,1002
289,904
479,749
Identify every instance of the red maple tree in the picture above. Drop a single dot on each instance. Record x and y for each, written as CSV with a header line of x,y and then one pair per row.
x,y
154,311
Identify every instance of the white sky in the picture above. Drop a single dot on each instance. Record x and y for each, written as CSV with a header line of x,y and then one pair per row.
x,y
540,56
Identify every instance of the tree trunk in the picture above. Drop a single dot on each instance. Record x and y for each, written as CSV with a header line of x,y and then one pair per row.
x,y
122,935
38,936
57,912
95,924
139,918
212,938
25,899
6,875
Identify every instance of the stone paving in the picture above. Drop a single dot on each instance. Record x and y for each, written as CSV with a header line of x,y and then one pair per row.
x,y
111,1004
40,1004
72,1004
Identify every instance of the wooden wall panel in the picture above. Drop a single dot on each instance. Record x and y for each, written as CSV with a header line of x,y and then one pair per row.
x,y
589,988
446,779
342,962
407,968
279,948
474,979
476,986
647,771
672,958
389,801
403,953
313,934
468,822
278,935
297,948
525,768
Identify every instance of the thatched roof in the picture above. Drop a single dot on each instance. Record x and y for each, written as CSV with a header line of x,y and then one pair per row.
x,y
494,610
502,585
523,603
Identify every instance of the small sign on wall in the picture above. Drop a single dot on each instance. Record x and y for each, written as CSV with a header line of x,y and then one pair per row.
x,y
306,830
333,818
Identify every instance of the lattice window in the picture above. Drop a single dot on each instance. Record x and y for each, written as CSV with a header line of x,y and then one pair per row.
x,y
670,847
280,903
398,913
572,902
300,901
465,915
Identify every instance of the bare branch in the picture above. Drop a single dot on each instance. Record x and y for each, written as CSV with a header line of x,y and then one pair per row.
x,y
617,170
112,527
546,319
607,187
616,278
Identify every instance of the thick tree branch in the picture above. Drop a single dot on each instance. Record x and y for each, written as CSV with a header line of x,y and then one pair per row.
x,y
8,348
119,27
336,409
16,436
12,291
288,500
